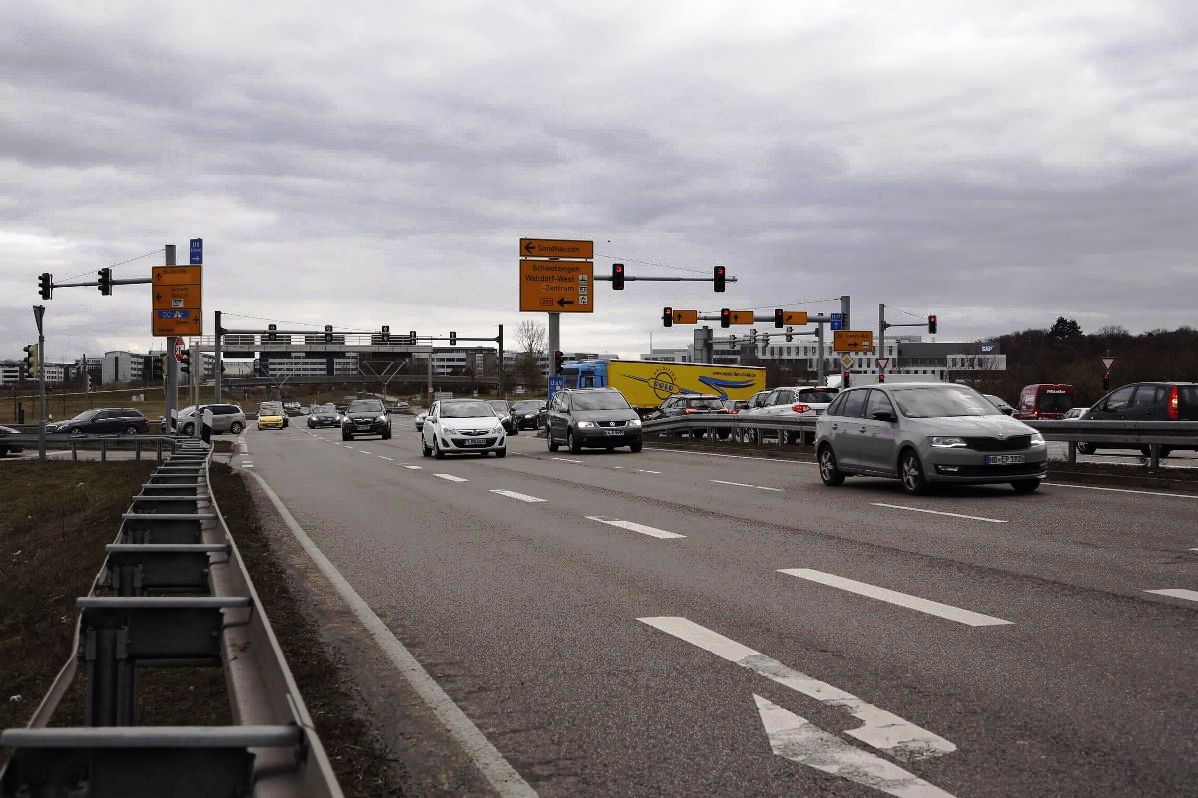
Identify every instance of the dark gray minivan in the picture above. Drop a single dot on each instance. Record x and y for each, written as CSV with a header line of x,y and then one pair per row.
x,y
596,418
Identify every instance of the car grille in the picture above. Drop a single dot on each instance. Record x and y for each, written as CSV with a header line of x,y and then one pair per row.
x,y
1009,469
610,423
472,442
1014,443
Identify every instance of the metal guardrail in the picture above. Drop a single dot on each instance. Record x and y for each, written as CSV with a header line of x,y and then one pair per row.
x,y
173,591
104,443
740,428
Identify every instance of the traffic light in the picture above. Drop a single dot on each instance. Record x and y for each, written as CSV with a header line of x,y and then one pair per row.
x,y
765,339
881,376
725,317
558,357
844,378
617,276
412,337
932,325
270,336
31,360
753,336
790,334
732,341
45,285
720,274
453,339
185,363
1106,381
328,333
105,285
87,380
667,317
386,333
778,318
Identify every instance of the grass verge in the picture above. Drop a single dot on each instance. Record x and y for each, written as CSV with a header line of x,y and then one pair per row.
x,y
358,755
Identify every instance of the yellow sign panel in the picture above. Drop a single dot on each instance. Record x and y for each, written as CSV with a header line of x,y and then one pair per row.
x,y
556,248
852,341
686,316
176,307
797,317
557,286
741,317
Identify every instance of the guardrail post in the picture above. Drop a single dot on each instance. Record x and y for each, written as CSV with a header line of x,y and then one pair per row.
x,y
1072,451
158,450
137,450
74,451
103,451
1154,449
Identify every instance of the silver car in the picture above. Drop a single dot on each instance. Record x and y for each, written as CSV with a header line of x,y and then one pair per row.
x,y
925,433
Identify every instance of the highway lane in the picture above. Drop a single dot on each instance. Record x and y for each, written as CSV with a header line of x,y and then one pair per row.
x,y
530,614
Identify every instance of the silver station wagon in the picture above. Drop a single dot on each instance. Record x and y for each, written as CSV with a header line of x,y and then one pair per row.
x,y
927,433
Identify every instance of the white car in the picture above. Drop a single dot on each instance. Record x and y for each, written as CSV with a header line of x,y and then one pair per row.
x,y
1074,413
792,402
462,426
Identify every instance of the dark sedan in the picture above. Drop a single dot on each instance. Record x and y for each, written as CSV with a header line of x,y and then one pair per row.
x,y
504,411
4,447
323,416
365,417
106,420
527,413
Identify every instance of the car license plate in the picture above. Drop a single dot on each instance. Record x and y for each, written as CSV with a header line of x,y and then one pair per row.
x,y
478,442
614,431
1004,459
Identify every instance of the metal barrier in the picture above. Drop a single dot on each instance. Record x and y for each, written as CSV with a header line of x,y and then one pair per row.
x,y
173,592
743,428
103,443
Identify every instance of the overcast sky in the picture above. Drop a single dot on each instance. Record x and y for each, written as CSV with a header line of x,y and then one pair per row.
x,y
997,163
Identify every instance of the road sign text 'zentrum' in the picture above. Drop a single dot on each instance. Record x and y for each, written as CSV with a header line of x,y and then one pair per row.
x,y
556,286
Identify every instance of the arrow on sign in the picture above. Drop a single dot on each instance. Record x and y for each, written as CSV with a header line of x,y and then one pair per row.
x,y
1107,362
561,303
529,248
794,738
158,296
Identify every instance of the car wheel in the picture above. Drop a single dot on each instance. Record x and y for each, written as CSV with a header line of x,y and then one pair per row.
x,y
572,443
724,434
1025,485
911,473
516,431
1165,451
189,429
829,471
635,447
552,442
131,430
502,452
424,450
437,453
236,427
387,434
345,436
1086,448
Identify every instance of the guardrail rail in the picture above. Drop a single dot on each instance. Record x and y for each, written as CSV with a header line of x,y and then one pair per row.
x,y
172,592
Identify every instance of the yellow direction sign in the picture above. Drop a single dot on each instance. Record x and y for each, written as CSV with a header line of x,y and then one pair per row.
x,y
556,248
741,317
795,317
557,286
686,316
853,341
176,306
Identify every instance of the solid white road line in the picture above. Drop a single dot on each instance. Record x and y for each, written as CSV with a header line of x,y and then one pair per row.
x,y
451,477
635,527
565,459
511,494
1122,490
744,485
795,738
1188,595
497,770
938,512
946,611
881,729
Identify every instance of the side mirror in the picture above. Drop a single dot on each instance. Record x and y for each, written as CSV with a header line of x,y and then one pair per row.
x,y
885,415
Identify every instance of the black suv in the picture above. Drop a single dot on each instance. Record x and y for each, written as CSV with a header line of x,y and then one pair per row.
x,y
592,417
365,417
104,420
1144,401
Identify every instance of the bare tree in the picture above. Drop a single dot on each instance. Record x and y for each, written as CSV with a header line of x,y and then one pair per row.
x,y
530,341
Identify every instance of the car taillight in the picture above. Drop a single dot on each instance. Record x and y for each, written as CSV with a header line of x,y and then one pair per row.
x,y
1174,404
686,411
800,408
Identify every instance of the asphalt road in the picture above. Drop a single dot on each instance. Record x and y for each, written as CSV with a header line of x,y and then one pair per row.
x,y
678,623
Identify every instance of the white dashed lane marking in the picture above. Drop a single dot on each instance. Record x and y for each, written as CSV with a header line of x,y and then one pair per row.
x,y
632,526
451,477
939,512
745,485
1188,595
946,611
511,494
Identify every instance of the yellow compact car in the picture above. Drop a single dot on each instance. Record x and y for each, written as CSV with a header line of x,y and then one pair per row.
x,y
271,415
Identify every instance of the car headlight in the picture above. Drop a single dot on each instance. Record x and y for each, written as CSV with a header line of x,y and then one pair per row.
x,y
585,424
381,418
946,442
1037,439
636,422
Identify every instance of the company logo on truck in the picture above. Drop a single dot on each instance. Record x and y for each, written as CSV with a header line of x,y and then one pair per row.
x,y
665,384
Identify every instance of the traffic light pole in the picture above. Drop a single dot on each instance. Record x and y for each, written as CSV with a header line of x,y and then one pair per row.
x,y
555,336
38,312
216,365
172,365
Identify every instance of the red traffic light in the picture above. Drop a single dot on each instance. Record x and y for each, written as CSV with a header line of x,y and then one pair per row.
x,y
779,318
720,277
617,276
725,317
932,324
667,317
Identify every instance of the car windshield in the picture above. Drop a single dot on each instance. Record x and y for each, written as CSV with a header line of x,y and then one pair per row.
x,y
324,409
85,415
466,409
1054,402
811,395
526,407
365,406
706,404
269,409
499,405
606,400
943,402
